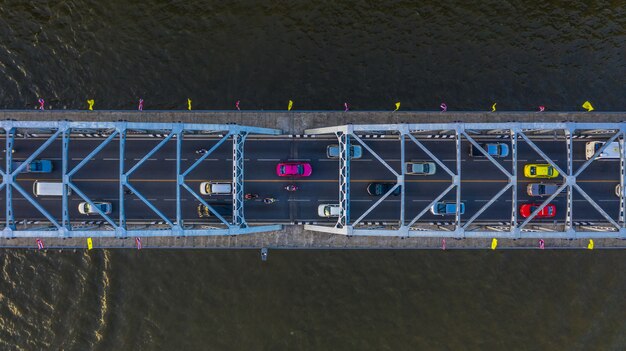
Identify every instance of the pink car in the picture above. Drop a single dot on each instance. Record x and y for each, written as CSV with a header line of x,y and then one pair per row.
x,y
293,169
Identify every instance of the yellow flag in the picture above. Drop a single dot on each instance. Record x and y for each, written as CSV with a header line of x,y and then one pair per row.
x,y
90,103
289,105
587,106
590,245
189,104
494,243
397,106
493,107
89,244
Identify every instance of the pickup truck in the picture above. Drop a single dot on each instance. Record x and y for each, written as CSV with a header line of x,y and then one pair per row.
x,y
36,166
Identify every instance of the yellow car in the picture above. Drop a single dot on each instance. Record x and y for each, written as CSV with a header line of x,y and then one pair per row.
x,y
540,171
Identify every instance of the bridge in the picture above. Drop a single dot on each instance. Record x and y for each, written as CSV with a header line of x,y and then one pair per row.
x,y
150,173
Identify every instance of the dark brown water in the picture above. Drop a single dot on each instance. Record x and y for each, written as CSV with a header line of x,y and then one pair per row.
x,y
370,54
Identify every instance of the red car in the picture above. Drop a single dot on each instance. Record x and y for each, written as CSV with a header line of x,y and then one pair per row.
x,y
293,169
548,211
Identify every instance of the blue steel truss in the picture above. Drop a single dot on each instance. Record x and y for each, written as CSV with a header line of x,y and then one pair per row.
x,y
515,229
118,130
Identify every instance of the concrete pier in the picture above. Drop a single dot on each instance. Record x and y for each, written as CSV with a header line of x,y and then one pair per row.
x,y
295,122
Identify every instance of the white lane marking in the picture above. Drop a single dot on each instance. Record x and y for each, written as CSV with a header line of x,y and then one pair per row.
x,y
361,159
111,159
173,159
609,200
298,159
356,200
328,159
422,200
268,159
299,200
80,159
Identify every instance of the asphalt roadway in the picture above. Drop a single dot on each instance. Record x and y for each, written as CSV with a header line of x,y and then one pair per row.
x,y
156,179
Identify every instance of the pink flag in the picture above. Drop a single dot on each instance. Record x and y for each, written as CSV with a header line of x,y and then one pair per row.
x,y
541,244
542,108
138,243
444,107
39,244
345,104
237,105
140,108
443,244
41,103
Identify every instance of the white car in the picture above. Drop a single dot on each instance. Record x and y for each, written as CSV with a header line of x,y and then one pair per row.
x,y
328,210
86,209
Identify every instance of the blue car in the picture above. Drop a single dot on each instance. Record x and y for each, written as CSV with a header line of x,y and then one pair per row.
x,y
493,149
446,208
36,166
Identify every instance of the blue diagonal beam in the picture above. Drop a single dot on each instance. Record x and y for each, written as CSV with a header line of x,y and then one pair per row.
x,y
596,154
149,204
199,198
36,153
37,205
88,200
93,153
206,154
152,152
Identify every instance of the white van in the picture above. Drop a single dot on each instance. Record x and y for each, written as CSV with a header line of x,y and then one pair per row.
x,y
49,189
211,188
610,152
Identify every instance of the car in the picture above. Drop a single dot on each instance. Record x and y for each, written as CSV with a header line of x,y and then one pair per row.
x,y
377,189
36,166
536,170
541,189
443,208
294,169
493,149
86,209
328,210
420,168
332,151
548,211
215,188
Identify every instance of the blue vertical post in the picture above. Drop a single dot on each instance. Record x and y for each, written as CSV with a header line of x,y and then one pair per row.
x,y
65,223
9,178
122,183
238,192
179,179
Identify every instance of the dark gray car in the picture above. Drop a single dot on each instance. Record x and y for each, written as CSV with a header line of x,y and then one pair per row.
x,y
378,189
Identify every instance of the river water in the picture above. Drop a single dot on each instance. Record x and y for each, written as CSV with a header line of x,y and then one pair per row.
x,y
468,54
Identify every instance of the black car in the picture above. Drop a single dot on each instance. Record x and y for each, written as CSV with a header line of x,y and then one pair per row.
x,y
377,189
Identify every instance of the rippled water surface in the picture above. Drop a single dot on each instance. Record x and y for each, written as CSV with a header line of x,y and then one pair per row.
x,y
319,54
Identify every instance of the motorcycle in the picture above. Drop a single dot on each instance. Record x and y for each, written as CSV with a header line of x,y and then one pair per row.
x,y
291,187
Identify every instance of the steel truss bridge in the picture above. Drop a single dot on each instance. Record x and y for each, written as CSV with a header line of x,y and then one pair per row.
x,y
406,221
514,132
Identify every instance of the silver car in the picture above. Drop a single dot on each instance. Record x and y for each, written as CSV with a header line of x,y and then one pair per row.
x,y
420,168
86,209
541,189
